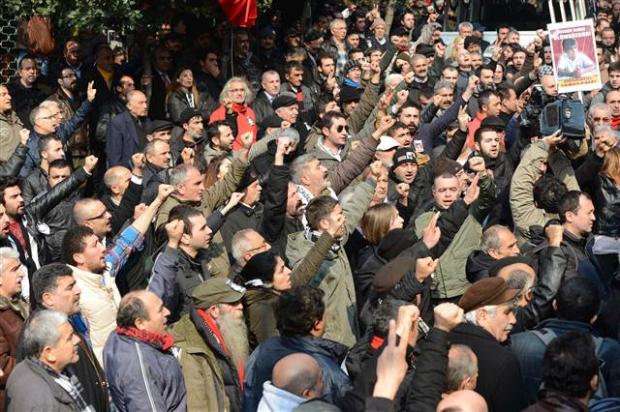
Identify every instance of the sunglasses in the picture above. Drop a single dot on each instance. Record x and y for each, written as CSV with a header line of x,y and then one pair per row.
x,y
340,128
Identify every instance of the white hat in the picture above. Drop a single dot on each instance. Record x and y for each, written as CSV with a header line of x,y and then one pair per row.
x,y
387,143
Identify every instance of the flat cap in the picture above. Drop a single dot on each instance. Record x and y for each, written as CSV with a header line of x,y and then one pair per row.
x,y
216,290
487,292
285,99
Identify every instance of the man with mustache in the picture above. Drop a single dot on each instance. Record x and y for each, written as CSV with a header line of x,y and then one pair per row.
x,y
489,313
69,102
25,90
54,288
40,381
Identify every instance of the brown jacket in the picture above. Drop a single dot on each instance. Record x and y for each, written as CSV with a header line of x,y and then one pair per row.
x,y
12,316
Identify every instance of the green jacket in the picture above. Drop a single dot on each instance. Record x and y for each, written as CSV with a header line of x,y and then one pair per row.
x,y
201,371
334,276
524,211
212,198
450,278
258,302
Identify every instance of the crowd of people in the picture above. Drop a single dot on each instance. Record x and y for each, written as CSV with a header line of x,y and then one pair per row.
x,y
341,214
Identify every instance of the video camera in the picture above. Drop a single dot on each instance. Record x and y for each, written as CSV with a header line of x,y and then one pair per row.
x,y
566,115
531,111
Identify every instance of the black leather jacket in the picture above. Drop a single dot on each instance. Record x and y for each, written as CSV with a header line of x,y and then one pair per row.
x,y
607,201
14,163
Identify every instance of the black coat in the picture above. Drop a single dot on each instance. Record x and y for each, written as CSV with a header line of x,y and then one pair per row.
x,y
499,375
262,107
24,99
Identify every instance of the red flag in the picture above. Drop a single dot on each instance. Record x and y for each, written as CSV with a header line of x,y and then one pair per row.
x,y
240,13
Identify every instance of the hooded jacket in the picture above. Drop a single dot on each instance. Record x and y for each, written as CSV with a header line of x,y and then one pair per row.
x,y
278,400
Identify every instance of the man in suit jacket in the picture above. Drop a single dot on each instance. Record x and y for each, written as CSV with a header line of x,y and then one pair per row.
x,y
126,131
160,82
270,88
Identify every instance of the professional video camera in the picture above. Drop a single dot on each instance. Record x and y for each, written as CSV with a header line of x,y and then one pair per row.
x,y
568,116
531,111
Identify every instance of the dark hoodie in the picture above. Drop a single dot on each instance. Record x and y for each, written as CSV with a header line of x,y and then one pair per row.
x,y
478,263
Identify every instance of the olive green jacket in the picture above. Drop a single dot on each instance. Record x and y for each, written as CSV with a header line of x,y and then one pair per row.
x,y
450,279
334,276
212,198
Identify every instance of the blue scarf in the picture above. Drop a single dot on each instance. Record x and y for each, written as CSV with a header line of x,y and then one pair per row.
x,y
350,83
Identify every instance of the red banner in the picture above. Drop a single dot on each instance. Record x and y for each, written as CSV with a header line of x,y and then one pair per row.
x,y
240,13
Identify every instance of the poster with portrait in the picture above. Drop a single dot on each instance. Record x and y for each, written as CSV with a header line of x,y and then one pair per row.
x,y
573,49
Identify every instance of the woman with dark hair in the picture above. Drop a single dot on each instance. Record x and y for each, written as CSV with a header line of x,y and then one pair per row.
x,y
217,169
182,95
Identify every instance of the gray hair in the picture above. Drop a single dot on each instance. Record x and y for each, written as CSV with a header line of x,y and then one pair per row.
x,y
599,106
226,88
6,253
471,315
443,84
112,176
44,105
291,133
132,94
41,330
149,149
520,280
465,25
178,174
299,165
490,238
462,365
332,24
418,57
393,77
241,244
603,128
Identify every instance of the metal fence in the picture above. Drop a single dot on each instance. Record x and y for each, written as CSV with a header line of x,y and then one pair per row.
x,y
8,39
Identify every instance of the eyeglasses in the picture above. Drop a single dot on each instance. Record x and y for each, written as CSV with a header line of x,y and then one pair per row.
x,y
100,216
340,128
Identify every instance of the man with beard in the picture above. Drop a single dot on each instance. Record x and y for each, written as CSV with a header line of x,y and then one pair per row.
x,y
409,115
27,226
489,313
50,149
219,140
25,90
191,143
213,340
95,269
69,101
497,242
139,363
54,288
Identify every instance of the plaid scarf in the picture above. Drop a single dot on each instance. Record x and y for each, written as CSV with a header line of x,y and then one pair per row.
x,y
71,385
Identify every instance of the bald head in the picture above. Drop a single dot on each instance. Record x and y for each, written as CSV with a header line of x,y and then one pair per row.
x,y
299,374
462,369
463,401
116,179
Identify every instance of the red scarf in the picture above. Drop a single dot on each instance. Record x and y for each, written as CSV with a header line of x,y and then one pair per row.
x,y
615,122
212,325
240,108
162,341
